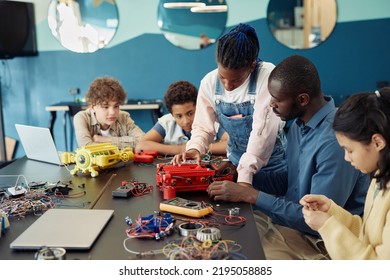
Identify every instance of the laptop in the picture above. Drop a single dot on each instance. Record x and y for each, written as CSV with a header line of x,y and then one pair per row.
x,y
38,143
64,228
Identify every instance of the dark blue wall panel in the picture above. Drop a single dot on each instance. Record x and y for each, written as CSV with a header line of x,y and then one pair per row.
x,y
353,59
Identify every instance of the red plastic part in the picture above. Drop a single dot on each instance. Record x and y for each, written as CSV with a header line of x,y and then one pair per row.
x,y
186,177
169,192
141,157
151,153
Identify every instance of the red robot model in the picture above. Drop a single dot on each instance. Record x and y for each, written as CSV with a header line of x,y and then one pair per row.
x,y
186,177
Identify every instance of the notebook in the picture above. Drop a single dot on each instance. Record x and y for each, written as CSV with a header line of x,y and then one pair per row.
x,y
64,228
38,143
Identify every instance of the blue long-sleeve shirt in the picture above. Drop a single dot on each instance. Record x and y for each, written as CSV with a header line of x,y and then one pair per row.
x,y
315,165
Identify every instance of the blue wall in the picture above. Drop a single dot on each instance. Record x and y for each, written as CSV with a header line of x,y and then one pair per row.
x,y
353,59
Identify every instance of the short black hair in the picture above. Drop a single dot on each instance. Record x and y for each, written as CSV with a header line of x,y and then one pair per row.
x,y
297,74
180,92
239,48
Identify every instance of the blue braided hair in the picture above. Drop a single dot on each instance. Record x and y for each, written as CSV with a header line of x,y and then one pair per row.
x,y
239,48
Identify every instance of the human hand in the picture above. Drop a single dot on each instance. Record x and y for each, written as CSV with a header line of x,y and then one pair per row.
x,y
190,154
315,219
234,192
140,147
316,202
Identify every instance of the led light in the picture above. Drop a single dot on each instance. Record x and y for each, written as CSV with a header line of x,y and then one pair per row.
x,y
210,9
183,5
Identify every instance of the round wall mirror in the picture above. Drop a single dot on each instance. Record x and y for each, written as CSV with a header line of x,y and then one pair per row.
x,y
301,24
83,26
192,25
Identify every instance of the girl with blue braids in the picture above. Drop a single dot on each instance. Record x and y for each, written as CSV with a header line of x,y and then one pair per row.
x,y
236,95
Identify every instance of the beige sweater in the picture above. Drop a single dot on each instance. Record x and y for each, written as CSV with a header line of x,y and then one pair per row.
x,y
350,237
124,133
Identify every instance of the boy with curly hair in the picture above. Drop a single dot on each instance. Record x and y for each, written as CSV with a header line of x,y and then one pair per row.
x,y
103,121
172,131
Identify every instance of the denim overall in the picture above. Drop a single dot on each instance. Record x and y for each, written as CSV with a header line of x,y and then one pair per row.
x,y
239,129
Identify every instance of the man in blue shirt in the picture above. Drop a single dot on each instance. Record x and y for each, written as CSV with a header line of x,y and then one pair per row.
x,y
315,164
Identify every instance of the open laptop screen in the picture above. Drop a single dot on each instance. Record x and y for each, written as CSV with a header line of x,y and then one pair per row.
x,y
38,143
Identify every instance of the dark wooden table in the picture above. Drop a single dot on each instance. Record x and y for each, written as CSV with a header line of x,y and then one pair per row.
x,y
109,244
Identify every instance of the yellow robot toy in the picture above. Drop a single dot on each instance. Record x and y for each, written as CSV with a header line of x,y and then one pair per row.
x,y
92,158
